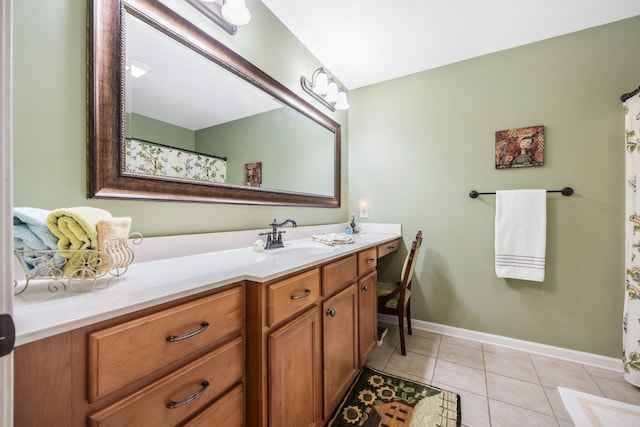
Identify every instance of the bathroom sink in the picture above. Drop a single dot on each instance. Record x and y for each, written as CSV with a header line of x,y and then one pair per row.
x,y
300,250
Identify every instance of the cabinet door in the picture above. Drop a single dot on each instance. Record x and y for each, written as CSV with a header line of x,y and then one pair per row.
x,y
340,349
367,316
295,372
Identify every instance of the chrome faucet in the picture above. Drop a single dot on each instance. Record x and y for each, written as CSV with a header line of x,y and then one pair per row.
x,y
274,237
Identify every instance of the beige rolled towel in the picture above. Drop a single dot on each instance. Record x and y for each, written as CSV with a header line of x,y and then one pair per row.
x,y
113,230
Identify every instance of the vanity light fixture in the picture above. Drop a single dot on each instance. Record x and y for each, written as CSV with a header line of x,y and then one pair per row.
x,y
228,14
325,90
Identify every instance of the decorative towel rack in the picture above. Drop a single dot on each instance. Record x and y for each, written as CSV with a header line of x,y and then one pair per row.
x,y
87,266
566,191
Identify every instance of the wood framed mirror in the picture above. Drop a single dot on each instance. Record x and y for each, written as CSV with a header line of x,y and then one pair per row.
x,y
300,160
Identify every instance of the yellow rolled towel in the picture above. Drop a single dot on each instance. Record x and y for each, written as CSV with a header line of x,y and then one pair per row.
x,y
76,229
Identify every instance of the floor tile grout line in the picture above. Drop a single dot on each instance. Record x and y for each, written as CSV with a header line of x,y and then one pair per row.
x,y
594,381
546,395
486,384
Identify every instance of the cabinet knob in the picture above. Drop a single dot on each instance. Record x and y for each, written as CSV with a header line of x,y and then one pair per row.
x,y
365,288
331,312
371,261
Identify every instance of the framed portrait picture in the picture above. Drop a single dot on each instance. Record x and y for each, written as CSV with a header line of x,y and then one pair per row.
x,y
520,147
253,174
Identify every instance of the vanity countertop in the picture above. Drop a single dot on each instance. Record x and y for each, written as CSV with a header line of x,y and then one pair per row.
x,y
39,313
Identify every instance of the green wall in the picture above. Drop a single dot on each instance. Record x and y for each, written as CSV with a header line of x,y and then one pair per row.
x,y
419,144
273,138
50,118
143,127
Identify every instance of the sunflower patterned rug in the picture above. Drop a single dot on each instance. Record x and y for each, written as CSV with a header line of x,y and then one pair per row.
x,y
380,399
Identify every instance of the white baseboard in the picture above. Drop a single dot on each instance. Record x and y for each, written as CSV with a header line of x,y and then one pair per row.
x,y
584,358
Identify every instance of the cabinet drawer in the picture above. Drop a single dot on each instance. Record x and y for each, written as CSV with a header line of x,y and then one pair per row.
x,y
367,261
292,295
211,375
126,352
228,411
339,274
387,248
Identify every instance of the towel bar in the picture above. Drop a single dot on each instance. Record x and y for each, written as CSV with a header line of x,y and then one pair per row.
x,y
566,191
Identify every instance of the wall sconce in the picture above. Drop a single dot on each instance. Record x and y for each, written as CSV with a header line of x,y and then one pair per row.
x,y
228,14
364,208
325,90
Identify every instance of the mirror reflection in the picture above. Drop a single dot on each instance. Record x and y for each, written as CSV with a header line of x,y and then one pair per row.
x,y
190,120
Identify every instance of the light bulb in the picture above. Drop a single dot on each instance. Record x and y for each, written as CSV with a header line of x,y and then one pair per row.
x,y
320,83
235,12
342,103
332,92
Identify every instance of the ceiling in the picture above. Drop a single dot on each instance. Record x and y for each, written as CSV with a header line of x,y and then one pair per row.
x,y
362,42
183,87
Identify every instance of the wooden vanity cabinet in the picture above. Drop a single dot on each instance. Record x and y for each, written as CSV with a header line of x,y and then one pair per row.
x,y
280,353
160,366
302,362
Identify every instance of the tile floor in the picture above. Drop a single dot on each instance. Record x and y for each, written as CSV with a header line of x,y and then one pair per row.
x,y
498,387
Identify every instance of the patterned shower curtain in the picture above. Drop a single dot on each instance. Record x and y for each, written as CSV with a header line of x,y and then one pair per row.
x,y
631,319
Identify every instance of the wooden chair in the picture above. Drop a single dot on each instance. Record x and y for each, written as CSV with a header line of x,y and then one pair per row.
x,y
394,298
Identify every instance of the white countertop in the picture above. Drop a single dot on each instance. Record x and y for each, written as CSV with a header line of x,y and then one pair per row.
x,y
39,313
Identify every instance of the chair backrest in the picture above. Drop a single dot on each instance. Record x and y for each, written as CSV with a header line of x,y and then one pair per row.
x,y
410,262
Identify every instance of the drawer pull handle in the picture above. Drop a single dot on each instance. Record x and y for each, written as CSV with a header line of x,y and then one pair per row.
x,y
305,294
173,404
331,312
371,261
202,328
365,288
391,247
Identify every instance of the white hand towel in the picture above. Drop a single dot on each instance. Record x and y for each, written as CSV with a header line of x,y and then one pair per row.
x,y
332,239
521,234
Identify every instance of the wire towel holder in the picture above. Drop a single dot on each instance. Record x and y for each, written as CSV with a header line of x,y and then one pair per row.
x,y
566,191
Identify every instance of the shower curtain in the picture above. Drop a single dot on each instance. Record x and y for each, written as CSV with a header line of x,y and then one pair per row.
x,y
631,318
